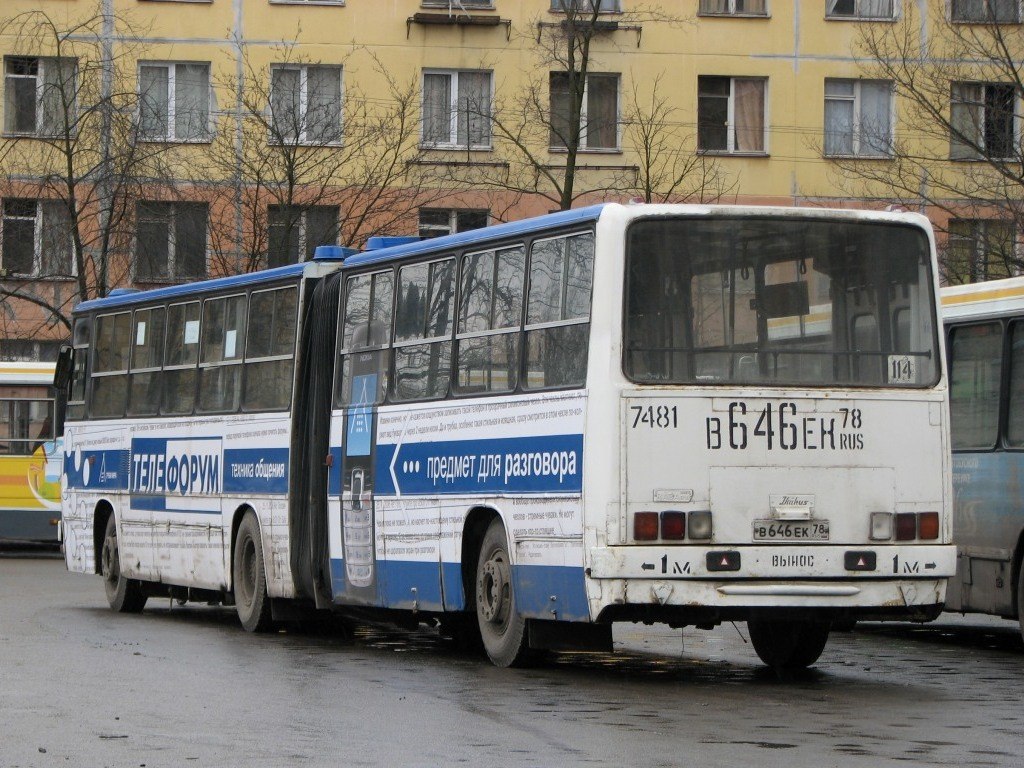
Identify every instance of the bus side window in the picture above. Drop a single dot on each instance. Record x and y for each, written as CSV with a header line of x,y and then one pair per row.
x,y
181,353
423,326
80,340
976,355
1015,422
220,356
365,337
558,312
270,350
110,365
490,316
146,357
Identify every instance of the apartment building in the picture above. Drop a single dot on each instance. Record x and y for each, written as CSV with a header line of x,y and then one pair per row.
x,y
154,141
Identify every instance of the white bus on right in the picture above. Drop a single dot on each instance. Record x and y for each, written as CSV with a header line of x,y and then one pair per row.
x,y
985,330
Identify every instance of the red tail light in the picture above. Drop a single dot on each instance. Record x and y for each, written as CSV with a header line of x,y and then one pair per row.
x,y
928,525
645,526
906,526
673,525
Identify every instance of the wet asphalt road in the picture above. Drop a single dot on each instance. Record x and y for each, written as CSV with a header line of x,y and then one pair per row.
x,y
185,686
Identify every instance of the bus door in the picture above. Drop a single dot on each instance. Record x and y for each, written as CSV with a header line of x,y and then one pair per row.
x,y
364,364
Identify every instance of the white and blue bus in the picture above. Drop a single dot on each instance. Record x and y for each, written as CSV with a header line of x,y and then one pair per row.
x,y
524,433
985,327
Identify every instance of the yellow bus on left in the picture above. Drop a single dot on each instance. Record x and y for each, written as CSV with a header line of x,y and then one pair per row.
x,y
30,455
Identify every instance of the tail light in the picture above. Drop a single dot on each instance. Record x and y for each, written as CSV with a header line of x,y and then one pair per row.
x,y
672,525
928,526
906,526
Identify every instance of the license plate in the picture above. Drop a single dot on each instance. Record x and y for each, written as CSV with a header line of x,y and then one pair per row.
x,y
790,530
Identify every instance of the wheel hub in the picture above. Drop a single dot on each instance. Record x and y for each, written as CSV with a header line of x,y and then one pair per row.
x,y
494,591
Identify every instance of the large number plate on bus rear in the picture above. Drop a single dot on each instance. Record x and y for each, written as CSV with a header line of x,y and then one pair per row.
x,y
791,530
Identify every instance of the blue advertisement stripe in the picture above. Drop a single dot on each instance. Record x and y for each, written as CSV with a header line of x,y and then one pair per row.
x,y
538,464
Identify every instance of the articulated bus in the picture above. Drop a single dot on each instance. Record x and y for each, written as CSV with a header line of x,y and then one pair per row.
x,y
30,459
985,329
525,433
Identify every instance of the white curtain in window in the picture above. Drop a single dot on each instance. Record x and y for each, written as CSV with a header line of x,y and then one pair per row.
x,y
55,240
750,6
153,104
839,104
875,119
714,6
191,101
602,112
437,108
474,109
58,91
749,115
323,104
967,114
876,9
286,102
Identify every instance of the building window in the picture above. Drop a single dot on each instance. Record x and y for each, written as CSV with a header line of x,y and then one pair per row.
x,y
170,241
457,109
980,249
991,11
435,222
586,6
733,8
858,118
174,101
730,114
455,5
859,9
37,238
296,231
305,104
982,121
39,95
599,112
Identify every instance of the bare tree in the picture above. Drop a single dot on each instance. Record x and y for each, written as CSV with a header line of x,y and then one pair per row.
x,y
669,167
956,152
308,167
566,108
71,158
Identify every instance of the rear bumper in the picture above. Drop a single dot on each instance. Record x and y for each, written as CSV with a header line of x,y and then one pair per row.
x,y
686,563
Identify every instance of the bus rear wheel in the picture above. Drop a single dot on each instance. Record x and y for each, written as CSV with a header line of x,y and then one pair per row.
x,y
502,629
123,594
787,646
250,577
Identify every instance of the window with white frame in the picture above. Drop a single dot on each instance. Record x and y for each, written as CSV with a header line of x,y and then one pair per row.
x,y
733,8
305,104
981,249
457,108
859,9
435,222
174,101
991,11
39,95
36,239
296,231
170,241
982,121
599,112
731,114
602,6
858,118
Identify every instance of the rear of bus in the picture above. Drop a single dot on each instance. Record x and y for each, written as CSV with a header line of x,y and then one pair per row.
x,y
775,406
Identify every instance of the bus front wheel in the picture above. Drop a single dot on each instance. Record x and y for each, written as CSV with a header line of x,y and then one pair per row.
x,y
502,629
788,645
250,577
124,595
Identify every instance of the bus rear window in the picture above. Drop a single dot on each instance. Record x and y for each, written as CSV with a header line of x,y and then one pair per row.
x,y
778,301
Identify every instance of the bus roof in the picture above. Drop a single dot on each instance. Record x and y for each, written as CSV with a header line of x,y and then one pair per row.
x,y
988,299
35,374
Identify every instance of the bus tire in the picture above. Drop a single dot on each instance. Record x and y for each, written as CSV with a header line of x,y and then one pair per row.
x,y
250,577
787,646
123,594
502,629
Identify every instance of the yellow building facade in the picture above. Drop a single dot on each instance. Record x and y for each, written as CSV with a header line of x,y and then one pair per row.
x,y
270,126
